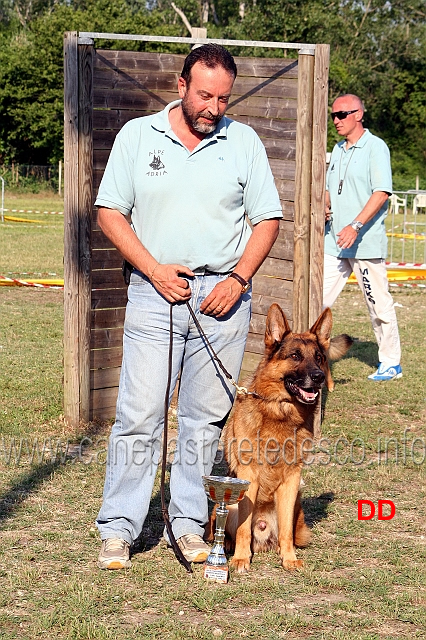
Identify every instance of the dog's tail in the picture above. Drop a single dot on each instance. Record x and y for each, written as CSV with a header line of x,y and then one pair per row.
x,y
339,345
301,532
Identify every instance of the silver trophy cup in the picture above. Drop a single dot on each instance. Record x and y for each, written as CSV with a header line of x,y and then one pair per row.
x,y
223,490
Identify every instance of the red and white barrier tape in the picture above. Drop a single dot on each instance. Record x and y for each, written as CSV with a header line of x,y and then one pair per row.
x,y
44,284
58,213
405,265
406,284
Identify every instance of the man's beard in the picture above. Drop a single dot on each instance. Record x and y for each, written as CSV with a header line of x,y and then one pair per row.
x,y
192,118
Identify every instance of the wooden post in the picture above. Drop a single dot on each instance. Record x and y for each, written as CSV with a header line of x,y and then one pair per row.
x,y
302,201
85,205
319,150
71,257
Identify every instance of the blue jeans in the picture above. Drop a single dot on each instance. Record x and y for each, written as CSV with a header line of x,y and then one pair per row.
x,y
204,402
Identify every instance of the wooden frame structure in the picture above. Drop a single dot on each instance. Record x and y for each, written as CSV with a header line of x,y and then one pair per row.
x,y
284,100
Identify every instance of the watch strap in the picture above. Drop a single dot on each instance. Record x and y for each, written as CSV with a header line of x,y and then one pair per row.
x,y
244,284
237,277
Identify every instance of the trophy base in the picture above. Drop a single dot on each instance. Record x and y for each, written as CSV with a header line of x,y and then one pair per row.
x,y
216,574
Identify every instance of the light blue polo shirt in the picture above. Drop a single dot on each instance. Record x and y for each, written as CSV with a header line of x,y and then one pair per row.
x,y
189,207
364,168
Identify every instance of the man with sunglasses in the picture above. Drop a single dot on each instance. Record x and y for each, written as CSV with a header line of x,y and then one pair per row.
x,y
359,182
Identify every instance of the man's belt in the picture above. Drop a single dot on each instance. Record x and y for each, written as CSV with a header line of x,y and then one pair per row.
x,y
128,268
207,272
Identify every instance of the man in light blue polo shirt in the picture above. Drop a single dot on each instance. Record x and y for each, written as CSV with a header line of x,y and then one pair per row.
x,y
204,215
359,182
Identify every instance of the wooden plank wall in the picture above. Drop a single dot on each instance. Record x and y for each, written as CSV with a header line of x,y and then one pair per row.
x,y
127,85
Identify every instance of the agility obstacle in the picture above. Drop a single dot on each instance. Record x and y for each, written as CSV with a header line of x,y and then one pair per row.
x,y
285,99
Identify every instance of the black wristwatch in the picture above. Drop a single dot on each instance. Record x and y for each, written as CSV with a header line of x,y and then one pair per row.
x,y
245,286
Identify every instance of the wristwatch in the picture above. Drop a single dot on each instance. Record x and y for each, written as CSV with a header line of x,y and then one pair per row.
x,y
244,284
356,225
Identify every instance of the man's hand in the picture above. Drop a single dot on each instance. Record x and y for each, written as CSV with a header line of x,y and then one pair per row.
x,y
223,297
168,280
327,206
346,237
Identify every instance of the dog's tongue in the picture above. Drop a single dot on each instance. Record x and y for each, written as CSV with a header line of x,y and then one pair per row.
x,y
308,395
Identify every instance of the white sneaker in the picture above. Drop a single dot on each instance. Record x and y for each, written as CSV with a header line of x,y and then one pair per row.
x,y
382,374
193,547
114,554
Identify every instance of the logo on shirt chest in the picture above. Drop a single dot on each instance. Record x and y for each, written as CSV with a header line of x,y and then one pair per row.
x,y
156,164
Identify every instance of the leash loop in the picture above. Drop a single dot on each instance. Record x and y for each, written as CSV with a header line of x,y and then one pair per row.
x,y
214,355
242,391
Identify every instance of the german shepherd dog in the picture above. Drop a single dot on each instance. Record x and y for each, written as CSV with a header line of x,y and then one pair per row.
x,y
268,431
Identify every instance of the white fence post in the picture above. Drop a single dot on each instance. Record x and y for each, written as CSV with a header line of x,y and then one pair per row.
x,y
2,199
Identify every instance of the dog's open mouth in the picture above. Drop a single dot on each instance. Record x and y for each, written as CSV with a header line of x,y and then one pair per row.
x,y
306,395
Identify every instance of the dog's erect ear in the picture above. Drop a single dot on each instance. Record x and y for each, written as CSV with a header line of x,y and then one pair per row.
x,y
322,328
276,326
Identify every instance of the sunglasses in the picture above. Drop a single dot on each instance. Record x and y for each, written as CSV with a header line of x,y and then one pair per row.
x,y
341,115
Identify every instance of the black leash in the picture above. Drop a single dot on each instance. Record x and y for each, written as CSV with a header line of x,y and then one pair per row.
x,y
172,539
215,357
241,390
178,552
127,270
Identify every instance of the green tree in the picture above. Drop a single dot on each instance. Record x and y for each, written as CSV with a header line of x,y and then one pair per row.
x,y
31,74
378,50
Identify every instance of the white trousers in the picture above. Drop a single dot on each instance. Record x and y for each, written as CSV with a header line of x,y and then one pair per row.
x,y
373,282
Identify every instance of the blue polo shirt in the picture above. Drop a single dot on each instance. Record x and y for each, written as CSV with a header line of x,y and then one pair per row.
x,y
364,168
190,207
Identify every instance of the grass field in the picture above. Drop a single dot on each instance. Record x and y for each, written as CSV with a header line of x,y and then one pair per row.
x,y
362,580
34,249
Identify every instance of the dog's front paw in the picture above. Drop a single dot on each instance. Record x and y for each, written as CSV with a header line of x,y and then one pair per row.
x,y
240,564
292,565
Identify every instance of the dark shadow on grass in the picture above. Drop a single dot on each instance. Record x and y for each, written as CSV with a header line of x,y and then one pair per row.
x,y
152,532
25,485
43,457
365,352
316,508
153,528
